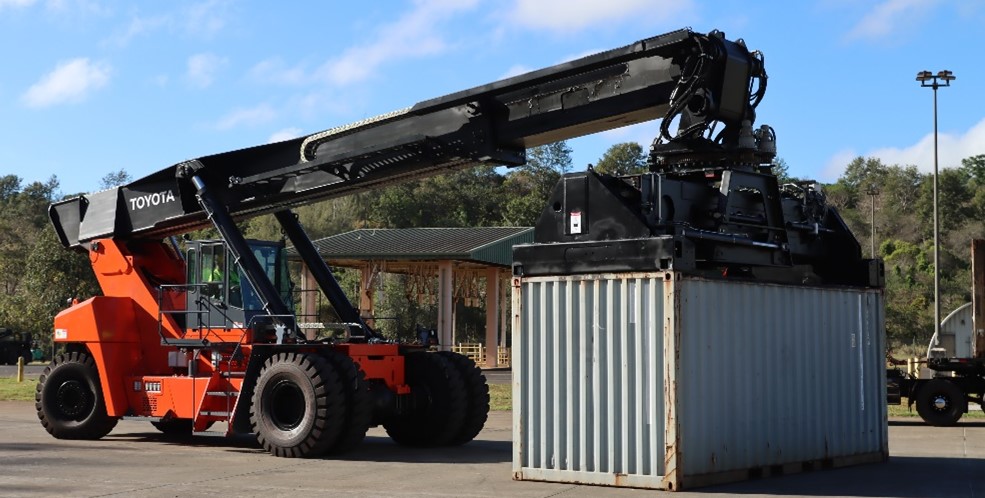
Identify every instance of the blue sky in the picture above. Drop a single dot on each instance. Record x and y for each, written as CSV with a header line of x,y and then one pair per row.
x,y
89,87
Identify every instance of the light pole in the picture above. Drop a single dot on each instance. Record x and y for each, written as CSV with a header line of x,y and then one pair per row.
x,y
872,191
935,81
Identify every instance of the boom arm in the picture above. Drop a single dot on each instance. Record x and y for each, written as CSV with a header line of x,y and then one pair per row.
x,y
703,79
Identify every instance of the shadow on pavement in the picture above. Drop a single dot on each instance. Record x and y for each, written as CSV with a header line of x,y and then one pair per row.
x,y
919,422
924,476
372,449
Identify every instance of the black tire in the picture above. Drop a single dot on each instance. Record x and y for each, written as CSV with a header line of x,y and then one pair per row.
x,y
298,406
941,403
476,395
437,413
359,402
69,399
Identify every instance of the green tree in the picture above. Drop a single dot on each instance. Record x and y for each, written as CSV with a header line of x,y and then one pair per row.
x,y
859,174
974,167
625,158
114,179
53,277
529,187
23,213
462,198
953,201
782,171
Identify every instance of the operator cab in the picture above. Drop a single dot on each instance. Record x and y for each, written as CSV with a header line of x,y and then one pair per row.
x,y
219,290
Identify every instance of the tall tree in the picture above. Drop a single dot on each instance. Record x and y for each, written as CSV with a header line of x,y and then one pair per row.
x,y
859,175
530,186
953,200
626,158
53,276
974,166
114,179
782,171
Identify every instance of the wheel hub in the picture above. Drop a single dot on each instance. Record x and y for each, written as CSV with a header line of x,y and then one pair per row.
x,y
287,405
940,402
74,399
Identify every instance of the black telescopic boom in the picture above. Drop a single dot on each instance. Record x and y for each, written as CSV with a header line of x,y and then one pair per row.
x,y
323,274
244,257
703,79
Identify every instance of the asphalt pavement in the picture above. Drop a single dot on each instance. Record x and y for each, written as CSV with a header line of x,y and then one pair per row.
x,y
32,371
136,460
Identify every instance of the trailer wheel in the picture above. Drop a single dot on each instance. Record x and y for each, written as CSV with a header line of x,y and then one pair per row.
x,y
69,399
437,412
298,405
359,402
476,395
941,403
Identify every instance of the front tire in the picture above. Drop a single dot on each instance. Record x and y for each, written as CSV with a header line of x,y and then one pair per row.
x,y
69,399
298,406
941,403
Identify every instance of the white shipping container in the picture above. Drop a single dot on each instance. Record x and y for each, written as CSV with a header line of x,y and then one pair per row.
x,y
660,380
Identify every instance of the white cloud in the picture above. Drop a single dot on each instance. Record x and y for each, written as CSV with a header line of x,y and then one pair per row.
x,y
69,82
642,133
13,4
136,27
836,165
952,148
574,15
207,18
515,70
250,116
285,134
76,8
202,69
275,71
579,55
412,35
890,17
201,20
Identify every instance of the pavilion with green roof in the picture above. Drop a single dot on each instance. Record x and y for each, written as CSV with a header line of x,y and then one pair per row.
x,y
445,265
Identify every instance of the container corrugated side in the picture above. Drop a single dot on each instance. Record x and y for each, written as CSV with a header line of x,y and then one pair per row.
x,y
773,375
588,380
757,376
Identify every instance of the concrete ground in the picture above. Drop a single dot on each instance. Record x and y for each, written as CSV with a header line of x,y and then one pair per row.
x,y
135,460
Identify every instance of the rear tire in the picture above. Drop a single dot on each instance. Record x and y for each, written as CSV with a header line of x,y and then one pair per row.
x,y
69,399
439,403
476,395
298,406
941,403
359,402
